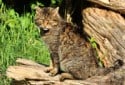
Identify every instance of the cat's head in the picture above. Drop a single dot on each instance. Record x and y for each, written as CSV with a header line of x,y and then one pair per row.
x,y
47,18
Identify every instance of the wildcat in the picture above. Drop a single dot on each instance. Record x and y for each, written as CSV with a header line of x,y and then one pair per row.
x,y
70,51
48,20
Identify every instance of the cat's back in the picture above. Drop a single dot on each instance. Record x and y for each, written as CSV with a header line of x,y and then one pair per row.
x,y
76,54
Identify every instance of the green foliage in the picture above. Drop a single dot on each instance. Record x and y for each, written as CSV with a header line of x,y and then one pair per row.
x,y
94,45
0,2
93,42
37,4
19,38
56,2
53,1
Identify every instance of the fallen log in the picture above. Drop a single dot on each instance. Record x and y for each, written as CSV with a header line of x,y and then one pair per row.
x,y
28,72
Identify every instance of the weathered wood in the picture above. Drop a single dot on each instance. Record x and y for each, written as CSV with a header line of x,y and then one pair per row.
x,y
28,70
116,5
108,30
34,74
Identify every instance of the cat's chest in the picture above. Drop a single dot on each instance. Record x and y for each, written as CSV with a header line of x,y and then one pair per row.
x,y
51,39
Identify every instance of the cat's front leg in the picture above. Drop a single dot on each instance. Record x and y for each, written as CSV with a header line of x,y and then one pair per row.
x,y
48,69
53,69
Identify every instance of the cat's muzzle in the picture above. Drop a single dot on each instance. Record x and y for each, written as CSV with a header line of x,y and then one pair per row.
x,y
44,30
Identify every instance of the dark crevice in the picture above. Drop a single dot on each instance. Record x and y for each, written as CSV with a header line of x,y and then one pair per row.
x,y
22,6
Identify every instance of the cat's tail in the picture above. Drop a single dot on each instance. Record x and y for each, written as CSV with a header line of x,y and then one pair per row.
x,y
117,64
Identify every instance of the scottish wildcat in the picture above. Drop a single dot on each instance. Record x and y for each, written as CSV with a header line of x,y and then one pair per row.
x,y
70,52
48,21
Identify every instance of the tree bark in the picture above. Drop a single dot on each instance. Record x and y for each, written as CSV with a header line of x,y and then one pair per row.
x,y
116,5
28,72
108,30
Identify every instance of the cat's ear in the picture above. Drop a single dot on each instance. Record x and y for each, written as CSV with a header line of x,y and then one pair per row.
x,y
56,10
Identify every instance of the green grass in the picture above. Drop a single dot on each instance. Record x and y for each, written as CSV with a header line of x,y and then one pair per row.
x,y
19,38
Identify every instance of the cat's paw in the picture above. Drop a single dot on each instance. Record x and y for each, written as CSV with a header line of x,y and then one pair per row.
x,y
64,76
53,72
48,69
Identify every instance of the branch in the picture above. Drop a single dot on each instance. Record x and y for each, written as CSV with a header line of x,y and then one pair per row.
x,y
116,5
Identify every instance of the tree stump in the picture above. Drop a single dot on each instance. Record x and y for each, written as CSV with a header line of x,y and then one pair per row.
x,y
107,28
27,72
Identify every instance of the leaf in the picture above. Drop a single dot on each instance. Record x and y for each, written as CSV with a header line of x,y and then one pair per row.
x,y
93,42
25,22
12,12
53,1
11,23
